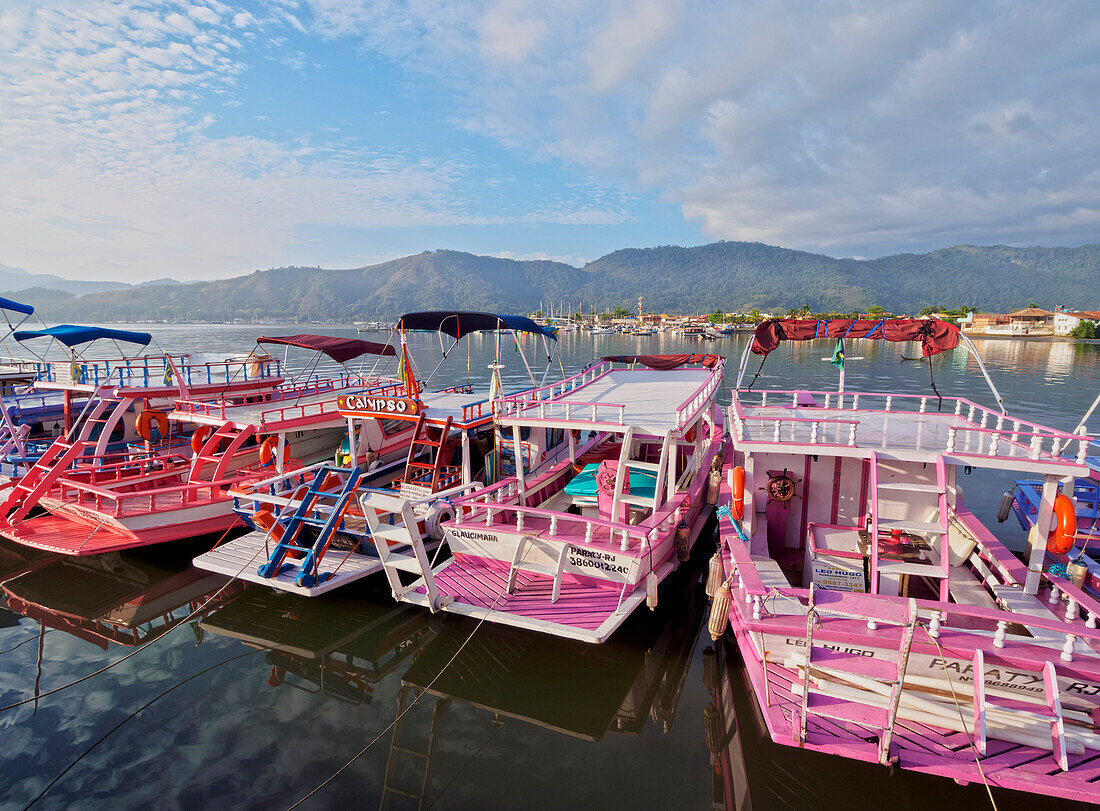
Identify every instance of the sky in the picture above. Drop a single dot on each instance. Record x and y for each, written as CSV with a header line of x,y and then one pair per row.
x,y
142,139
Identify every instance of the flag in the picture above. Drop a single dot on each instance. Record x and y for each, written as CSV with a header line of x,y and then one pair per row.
x,y
167,374
838,355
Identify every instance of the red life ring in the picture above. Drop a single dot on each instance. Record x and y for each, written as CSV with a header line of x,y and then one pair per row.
x,y
738,506
198,438
267,450
1061,538
145,422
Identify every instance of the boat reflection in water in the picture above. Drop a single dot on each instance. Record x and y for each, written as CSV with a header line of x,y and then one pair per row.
x,y
751,771
568,687
340,646
117,597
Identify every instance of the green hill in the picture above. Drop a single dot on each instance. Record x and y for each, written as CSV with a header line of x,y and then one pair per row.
x,y
723,275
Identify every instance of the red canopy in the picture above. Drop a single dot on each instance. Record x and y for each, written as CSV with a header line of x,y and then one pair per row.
x,y
339,349
666,361
935,336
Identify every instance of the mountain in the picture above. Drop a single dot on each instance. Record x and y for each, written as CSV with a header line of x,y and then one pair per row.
x,y
13,279
723,275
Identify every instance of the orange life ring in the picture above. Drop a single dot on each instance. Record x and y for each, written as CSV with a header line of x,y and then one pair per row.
x,y
198,438
265,521
267,450
738,506
145,422
1061,538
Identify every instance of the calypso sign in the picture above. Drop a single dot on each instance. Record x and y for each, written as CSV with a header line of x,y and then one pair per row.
x,y
380,406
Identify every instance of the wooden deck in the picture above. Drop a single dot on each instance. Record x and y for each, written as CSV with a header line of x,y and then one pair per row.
x,y
242,557
582,612
54,533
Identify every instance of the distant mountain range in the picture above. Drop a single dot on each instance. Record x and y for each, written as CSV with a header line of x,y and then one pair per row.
x,y
727,276
13,280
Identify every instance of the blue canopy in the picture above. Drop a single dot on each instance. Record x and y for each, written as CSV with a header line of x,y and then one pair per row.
x,y
72,335
457,323
15,306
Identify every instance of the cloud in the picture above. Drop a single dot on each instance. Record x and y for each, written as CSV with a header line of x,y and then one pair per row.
x,y
114,164
841,126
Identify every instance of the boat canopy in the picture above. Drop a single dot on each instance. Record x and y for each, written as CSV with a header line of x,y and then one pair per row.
x,y
459,323
667,361
934,335
339,349
15,306
73,335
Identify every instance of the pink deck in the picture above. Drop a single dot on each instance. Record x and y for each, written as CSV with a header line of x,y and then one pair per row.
x,y
920,747
580,605
54,533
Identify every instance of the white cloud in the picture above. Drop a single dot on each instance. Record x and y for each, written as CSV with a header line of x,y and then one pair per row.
x,y
844,126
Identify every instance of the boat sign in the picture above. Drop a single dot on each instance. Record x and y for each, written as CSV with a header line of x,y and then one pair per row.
x,y
381,406
838,577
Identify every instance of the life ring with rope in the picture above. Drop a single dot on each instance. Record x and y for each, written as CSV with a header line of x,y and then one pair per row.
x,y
198,438
147,419
267,451
737,485
1061,539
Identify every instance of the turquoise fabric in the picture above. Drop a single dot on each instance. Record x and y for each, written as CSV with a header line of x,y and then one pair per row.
x,y
642,483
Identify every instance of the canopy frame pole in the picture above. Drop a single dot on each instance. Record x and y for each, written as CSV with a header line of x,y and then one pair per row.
x,y
973,350
1080,429
523,355
428,379
744,363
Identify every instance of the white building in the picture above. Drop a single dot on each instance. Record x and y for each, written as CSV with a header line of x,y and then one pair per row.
x,y
1065,323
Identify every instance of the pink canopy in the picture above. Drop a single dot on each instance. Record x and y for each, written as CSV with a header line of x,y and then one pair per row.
x,y
339,349
935,336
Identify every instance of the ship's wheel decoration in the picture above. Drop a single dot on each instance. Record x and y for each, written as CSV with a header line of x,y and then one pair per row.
x,y
781,487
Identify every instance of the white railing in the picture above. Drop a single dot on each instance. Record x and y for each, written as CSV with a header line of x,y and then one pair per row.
x,y
687,410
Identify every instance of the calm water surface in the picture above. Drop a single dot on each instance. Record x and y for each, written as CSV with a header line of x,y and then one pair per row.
x,y
261,697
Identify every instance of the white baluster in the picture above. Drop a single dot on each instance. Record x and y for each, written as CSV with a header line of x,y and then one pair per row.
x,y
1055,448
1091,623
813,432
1054,595
489,517
593,413
855,401
588,532
985,419
1036,446
970,414
624,540
1067,649
923,404
622,415
951,432
852,434
775,433
999,636
828,398
958,407
554,524
1071,610
993,444
872,625
934,625
1000,421
569,411
1015,430
756,607
889,401
763,399
519,521
1082,451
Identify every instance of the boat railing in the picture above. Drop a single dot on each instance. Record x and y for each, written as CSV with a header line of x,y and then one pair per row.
x,y
799,430
557,389
690,408
219,408
155,371
106,499
979,438
569,411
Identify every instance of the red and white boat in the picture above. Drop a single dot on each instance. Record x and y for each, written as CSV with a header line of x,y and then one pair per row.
x,y
878,618
239,422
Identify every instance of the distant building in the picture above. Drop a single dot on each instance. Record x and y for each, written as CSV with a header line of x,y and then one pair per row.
x,y
986,324
1066,322
1032,321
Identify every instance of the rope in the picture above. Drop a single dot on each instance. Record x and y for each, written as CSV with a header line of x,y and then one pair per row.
x,y
134,714
962,718
402,714
24,642
136,651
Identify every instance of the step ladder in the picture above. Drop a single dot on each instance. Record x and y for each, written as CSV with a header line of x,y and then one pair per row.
x,y
414,755
935,531
209,454
101,414
859,706
332,505
626,464
557,551
12,436
37,481
402,530
1047,714
434,474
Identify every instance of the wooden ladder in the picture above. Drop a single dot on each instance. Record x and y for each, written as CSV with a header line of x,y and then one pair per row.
x,y
937,529
403,531
555,570
838,684
417,472
36,482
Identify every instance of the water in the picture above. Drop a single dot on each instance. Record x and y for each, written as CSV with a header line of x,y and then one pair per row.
x,y
264,696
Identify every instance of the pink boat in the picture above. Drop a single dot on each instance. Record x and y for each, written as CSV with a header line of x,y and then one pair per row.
x,y
234,413
608,496
877,617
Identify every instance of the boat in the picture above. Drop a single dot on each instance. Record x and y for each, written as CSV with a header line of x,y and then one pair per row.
x,y
99,500
321,527
877,617
573,542
1025,498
